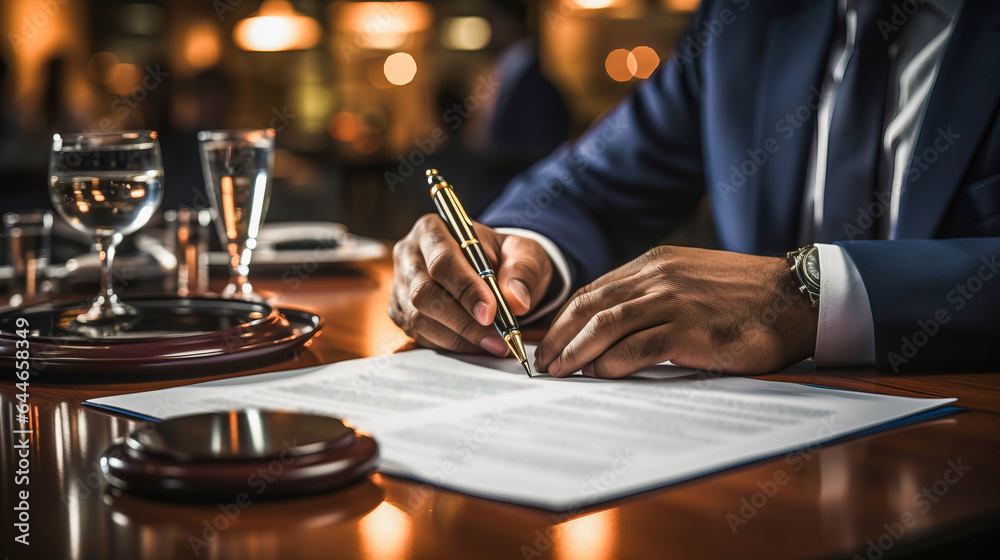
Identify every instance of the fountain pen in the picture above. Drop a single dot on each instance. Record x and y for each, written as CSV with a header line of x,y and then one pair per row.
x,y
460,225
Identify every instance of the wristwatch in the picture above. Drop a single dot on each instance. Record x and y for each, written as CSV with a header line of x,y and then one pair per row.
x,y
804,266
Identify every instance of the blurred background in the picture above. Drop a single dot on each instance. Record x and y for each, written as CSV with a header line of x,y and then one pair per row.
x,y
363,95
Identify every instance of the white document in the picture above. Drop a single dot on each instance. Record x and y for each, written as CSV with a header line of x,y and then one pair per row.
x,y
479,425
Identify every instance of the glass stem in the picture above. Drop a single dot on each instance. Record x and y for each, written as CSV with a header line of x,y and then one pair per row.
x,y
106,246
239,284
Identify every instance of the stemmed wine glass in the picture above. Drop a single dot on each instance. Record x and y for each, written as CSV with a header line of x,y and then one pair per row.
x,y
107,184
237,166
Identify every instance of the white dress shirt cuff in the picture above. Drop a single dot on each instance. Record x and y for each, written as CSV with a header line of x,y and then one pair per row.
x,y
559,263
846,332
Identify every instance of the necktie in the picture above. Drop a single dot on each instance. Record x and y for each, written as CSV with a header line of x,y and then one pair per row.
x,y
856,130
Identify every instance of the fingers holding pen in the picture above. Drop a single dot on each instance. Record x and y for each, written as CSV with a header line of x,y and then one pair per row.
x,y
524,274
447,266
418,301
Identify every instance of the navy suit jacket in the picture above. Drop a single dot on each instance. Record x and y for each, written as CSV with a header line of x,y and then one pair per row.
x,y
732,116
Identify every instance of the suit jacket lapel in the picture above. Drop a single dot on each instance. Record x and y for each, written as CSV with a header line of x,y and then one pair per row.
x,y
795,61
962,103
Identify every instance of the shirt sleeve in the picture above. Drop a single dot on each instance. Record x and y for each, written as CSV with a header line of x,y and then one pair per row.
x,y
846,332
559,263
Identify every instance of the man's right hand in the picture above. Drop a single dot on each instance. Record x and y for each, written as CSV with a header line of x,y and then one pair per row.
x,y
440,301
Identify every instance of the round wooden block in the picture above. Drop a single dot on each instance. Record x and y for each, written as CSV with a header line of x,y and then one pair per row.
x,y
266,454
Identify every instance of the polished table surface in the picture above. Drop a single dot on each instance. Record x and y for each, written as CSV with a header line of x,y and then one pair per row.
x,y
877,496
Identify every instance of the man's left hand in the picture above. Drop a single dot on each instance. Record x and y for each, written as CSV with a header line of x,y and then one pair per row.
x,y
712,310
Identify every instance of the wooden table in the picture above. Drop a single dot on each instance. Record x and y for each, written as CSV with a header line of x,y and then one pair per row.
x,y
881,495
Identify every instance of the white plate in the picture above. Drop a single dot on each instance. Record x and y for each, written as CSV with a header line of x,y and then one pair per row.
x,y
348,247
325,233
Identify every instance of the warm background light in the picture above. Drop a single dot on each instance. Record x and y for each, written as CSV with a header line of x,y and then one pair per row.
x,y
642,61
276,26
386,533
465,33
591,537
593,4
383,25
122,77
202,45
616,65
623,65
400,68
343,127
683,5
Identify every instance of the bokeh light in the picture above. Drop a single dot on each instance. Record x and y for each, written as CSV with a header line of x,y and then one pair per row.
x,y
383,25
623,65
385,533
617,65
642,61
202,45
276,26
683,5
343,127
594,4
470,33
122,77
400,68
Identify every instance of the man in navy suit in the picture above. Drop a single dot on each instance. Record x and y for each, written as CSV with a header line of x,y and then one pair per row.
x,y
850,152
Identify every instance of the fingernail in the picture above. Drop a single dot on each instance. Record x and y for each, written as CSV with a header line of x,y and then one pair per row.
x,y
520,291
482,313
555,366
588,370
494,345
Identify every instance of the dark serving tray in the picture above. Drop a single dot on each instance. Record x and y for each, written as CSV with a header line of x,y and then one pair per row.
x,y
178,336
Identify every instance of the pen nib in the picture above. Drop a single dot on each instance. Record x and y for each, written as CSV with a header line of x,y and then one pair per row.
x,y
526,368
